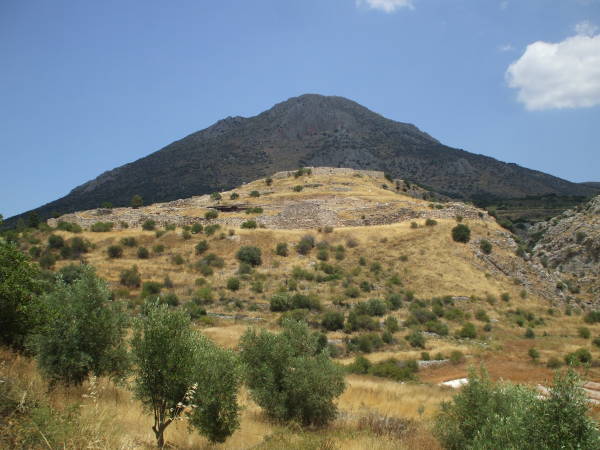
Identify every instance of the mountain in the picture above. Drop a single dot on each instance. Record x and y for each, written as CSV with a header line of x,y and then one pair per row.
x,y
310,130
594,184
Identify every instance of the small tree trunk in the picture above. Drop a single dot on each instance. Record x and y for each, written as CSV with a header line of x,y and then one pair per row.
x,y
159,432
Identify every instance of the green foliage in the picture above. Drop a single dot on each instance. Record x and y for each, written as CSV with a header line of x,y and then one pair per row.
x,y
68,226
102,227
71,273
176,368
211,214
430,222
149,225
150,288
209,230
137,201
502,415
584,332
468,331
249,224
457,357
485,246
592,317
47,261
298,188
233,284
534,354
114,251
158,249
461,233
255,194
365,343
143,253
282,249
55,241
20,309
578,357
306,244
196,228
177,259
529,334
283,301
130,277
290,375
395,370
391,324
333,321
234,196
84,332
215,196
416,339
255,210
129,241
250,255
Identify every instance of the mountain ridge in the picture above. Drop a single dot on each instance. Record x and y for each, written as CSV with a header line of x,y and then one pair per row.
x,y
309,130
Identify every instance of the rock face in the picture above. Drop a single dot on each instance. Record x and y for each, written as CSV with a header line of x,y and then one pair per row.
x,y
570,245
310,130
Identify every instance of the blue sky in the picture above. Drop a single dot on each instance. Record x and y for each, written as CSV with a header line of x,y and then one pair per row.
x,y
88,86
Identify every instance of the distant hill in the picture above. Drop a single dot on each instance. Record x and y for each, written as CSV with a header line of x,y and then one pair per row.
x,y
594,184
310,130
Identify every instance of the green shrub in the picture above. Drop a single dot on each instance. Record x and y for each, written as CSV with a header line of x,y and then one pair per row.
x,y
234,196
177,259
250,255
553,363
211,214
430,222
580,356
150,288
102,227
143,253
584,332
306,244
485,246
468,331
149,225
137,201
359,366
482,316
365,343
533,354
55,241
233,284
461,233
158,249
129,242
352,292
209,230
68,226
114,251
395,370
254,194
282,249
130,277
250,224
196,228
416,339
529,334
47,261
333,321
391,324
215,196
290,375
457,357
502,415
297,188
186,235
592,317
201,247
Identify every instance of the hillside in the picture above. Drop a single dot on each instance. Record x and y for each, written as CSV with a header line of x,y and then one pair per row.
x,y
310,130
569,245
379,247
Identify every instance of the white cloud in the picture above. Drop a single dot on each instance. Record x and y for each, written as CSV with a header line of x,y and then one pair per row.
x,y
388,6
506,48
559,75
586,28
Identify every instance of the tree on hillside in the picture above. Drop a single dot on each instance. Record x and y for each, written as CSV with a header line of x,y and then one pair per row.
x,y
180,373
290,374
137,201
20,308
84,331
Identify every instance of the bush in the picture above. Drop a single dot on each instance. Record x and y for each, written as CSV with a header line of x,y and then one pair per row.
x,y
233,284
580,356
359,366
333,321
47,261
365,343
395,370
250,255
158,249
114,251
143,253
485,246
149,225
68,226
84,334
215,196
234,196
391,324
102,227
249,224
584,332
457,357
55,241
533,354
553,363
201,247
430,222
283,301
186,235
211,214
129,242
529,334
592,317
461,233
282,249
298,188
468,331
502,415
255,210
255,194
306,244
416,339
137,201
196,228
209,230
177,259
151,288
130,277
290,374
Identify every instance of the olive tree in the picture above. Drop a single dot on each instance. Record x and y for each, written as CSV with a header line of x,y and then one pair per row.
x,y
290,374
84,331
180,373
19,303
